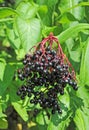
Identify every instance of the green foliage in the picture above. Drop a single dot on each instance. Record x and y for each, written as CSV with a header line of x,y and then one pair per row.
x,y
5,12
85,65
26,29
22,27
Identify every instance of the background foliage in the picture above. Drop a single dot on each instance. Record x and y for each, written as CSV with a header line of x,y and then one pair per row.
x,y
23,23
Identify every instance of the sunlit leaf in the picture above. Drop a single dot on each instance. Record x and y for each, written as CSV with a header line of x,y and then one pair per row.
x,y
29,32
3,123
6,11
21,110
81,120
84,71
27,10
72,31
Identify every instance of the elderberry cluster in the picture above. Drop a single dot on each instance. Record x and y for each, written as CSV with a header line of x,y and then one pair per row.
x,y
46,74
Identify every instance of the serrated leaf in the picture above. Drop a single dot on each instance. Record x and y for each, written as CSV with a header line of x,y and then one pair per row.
x,y
81,118
72,31
61,122
58,123
84,94
29,32
6,11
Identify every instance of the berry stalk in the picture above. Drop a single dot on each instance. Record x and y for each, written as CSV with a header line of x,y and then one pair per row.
x,y
45,73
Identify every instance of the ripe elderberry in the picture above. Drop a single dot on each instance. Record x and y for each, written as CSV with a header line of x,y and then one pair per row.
x,y
46,72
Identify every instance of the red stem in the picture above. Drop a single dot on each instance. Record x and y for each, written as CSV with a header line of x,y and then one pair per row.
x,y
50,39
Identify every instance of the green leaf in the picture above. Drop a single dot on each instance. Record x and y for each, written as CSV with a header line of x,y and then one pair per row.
x,y
20,109
40,119
78,12
81,120
43,9
27,10
61,122
48,18
6,20
2,68
20,53
58,123
73,7
87,13
13,36
6,11
67,18
70,16
86,64
14,41
79,105
16,102
46,30
74,53
3,123
7,77
29,32
2,115
84,70
62,7
72,31
83,92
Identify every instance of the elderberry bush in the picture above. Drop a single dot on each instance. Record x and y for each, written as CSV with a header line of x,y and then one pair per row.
x,y
46,72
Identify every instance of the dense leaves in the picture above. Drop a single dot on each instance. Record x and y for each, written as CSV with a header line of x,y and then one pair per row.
x,y
22,25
